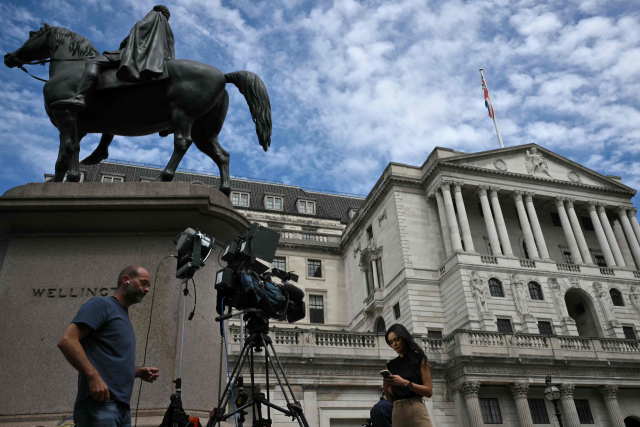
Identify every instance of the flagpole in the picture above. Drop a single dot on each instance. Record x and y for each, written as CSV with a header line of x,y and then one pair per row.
x,y
495,122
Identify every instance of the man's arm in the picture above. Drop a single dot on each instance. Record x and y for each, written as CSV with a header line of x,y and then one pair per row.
x,y
147,374
72,350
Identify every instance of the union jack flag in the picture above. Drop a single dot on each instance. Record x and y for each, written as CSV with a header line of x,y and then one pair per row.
x,y
487,100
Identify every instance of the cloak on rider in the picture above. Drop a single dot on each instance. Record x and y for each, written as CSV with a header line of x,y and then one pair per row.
x,y
144,52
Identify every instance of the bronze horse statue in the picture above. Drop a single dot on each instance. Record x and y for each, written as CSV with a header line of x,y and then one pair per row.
x,y
192,103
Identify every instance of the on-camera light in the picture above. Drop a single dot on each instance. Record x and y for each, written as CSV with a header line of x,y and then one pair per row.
x,y
193,249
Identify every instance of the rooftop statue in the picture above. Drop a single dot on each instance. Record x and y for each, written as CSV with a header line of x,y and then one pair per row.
x,y
128,92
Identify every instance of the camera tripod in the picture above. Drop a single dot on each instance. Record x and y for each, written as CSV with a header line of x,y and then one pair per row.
x,y
258,327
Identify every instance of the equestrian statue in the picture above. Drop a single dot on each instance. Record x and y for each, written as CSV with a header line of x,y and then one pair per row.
x,y
139,89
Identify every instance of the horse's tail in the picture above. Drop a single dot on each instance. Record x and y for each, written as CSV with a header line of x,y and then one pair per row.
x,y
255,92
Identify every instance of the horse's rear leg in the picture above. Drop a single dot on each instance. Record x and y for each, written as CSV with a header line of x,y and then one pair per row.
x,y
205,135
69,146
101,152
181,123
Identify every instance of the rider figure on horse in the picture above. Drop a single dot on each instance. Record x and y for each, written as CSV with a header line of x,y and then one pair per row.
x,y
141,57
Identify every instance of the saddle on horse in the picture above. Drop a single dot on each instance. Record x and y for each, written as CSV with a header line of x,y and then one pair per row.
x,y
141,58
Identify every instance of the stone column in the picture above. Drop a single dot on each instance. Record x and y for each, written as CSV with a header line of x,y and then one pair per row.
x,y
610,395
311,412
632,240
526,228
535,226
488,221
500,225
569,406
577,231
602,237
568,232
374,271
622,241
462,215
631,213
611,238
519,392
456,243
446,234
470,391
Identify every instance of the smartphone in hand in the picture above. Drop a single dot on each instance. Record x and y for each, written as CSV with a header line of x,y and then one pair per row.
x,y
385,373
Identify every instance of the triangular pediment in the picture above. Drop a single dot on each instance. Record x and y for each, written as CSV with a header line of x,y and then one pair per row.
x,y
535,161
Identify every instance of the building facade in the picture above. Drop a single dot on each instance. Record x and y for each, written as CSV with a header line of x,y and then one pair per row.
x,y
506,265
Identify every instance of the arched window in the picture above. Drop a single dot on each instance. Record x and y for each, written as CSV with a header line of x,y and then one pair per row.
x,y
380,326
616,297
535,291
495,287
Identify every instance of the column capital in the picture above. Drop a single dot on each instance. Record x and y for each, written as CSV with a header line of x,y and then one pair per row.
x,y
469,388
566,391
528,196
482,190
445,185
600,207
559,201
569,201
517,195
622,209
494,191
457,186
519,389
632,211
591,205
609,391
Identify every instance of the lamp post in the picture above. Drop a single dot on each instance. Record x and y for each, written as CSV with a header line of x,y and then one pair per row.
x,y
552,394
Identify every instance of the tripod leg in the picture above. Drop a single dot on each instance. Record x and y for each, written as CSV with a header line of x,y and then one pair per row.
x,y
299,416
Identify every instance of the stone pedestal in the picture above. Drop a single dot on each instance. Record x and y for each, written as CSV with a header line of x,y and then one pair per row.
x,y
63,243
488,321
530,324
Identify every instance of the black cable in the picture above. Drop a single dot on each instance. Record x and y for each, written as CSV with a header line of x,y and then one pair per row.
x,y
144,359
195,299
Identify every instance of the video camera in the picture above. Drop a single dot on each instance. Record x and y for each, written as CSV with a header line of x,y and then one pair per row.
x,y
246,282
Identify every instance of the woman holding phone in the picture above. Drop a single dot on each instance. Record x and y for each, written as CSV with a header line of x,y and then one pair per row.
x,y
407,380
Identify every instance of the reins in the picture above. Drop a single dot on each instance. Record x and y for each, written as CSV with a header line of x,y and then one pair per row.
x,y
44,61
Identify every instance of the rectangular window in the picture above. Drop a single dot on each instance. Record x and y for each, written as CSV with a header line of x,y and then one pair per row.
x,y
629,333
584,411
490,411
567,257
600,261
306,207
370,233
278,203
269,202
273,203
538,411
107,178
434,334
380,276
396,311
545,328
314,268
280,263
316,309
240,199
556,219
587,224
504,325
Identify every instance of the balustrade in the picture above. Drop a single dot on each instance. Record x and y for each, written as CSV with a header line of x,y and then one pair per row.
x,y
345,339
607,271
287,337
636,274
486,338
568,267
529,263
488,259
529,341
581,344
432,345
620,346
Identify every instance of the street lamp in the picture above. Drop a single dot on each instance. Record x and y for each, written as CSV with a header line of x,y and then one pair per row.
x,y
552,394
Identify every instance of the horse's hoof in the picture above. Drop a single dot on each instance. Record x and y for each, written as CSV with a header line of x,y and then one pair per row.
x,y
95,158
73,177
226,191
166,176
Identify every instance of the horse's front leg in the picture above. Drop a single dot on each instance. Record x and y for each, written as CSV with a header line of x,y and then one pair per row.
x,y
182,124
61,165
69,144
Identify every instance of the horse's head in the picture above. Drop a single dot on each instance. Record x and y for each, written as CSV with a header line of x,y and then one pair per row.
x,y
37,48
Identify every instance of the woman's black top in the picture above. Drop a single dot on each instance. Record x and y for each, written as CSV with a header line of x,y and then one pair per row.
x,y
408,367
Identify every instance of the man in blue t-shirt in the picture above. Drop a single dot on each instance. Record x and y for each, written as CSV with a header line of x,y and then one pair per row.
x,y
101,344
381,413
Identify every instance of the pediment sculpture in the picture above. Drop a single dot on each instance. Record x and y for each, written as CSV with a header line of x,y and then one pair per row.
x,y
536,163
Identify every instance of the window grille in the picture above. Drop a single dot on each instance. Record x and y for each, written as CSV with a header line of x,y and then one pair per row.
x,y
280,263
545,328
567,257
434,334
584,411
538,411
535,291
495,288
316,309
396,311
490,411
616,297
314,268
504,325
629,333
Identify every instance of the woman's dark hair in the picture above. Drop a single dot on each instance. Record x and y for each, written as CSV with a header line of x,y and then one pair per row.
x,y
404,334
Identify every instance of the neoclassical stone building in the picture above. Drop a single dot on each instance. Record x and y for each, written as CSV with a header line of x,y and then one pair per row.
x,y
506,265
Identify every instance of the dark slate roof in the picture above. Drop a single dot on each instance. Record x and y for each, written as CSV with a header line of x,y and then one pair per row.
x,y
328,206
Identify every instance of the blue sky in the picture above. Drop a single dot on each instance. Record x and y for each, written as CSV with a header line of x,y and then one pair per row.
x,y
356,85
